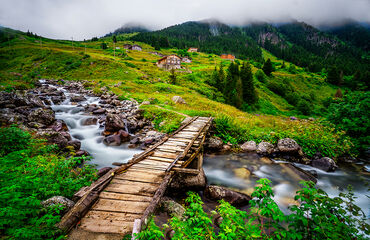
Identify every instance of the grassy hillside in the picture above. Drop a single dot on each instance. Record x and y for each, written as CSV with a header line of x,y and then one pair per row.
x,y
132,74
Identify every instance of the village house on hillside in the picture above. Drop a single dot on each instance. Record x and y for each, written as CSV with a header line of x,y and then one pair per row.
x,y
169,62
186,59
132,47
192,49
228,57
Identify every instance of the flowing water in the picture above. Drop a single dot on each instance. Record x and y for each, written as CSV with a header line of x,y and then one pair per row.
x,y
230,171
225,170
90,136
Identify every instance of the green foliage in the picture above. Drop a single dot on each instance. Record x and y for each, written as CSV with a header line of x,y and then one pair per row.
x,y
103,45
304,107
164,121
31,173
151,232
261,76
352,114
333,76
13,139
267,67
172,77
249,91
317,216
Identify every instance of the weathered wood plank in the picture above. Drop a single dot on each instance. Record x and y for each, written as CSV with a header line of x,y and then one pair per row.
x,y
106,226
124,196
141,176
164,155
110,205
145,189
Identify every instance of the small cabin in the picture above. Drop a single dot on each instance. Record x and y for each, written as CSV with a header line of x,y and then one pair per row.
x,y
186,59
192,49
136,47
228,57
127,46
169,62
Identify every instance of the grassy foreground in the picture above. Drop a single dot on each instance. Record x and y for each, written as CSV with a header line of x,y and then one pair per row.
x,y
133,74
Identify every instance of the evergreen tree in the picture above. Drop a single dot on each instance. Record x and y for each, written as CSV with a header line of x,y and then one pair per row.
x,y
333,76
104,45
239,94
246,77
267,67
230,83
114,39
172,77
221,78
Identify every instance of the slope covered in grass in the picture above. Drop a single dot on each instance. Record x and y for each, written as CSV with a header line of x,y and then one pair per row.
x,y
133,74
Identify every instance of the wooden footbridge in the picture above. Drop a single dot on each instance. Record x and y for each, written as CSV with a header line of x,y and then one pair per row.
x,y
127,195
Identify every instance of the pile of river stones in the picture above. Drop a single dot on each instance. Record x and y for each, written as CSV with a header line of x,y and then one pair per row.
x,y
287,149
123,121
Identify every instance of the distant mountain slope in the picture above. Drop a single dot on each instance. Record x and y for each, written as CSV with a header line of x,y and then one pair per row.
x,y
296,42
353,33
129,28
208,36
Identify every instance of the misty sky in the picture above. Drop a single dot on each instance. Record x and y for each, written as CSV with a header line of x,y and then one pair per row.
x,y
83,19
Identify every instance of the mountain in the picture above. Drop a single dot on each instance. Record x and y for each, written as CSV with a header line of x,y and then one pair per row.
x,y
129,28
354,33
297,42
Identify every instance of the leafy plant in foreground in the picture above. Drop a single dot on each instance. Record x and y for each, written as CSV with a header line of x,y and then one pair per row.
x,y
317,216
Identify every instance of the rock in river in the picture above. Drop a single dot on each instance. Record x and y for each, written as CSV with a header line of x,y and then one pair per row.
x,y
114,122
233,197
325,163
249,146
42,115
288,145
265,148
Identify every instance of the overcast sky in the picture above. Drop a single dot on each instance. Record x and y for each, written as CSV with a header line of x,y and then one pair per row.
x,y
81,19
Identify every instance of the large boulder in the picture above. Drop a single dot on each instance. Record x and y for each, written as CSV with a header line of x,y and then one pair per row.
x,y
288,145
89,121
178,99
249,146
171,207
265,148
113,140
233,197
59,201
42,115
77,98
325,163
185,181
54,137
214,143
59,125
114,122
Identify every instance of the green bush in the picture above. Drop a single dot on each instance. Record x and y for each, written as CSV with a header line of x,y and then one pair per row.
x,y
260,75
317,216
13,139
31,172
277,87
304,107
352,114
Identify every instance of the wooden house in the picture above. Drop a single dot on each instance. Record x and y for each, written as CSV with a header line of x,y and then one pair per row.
x,y
228,57
169,62
186,59
136,47
127,46
192,49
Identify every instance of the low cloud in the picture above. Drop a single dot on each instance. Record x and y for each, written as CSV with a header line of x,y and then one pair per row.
x,y
83,19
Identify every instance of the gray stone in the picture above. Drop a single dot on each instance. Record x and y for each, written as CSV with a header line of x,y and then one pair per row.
x,y
249,146
185,181
114,122
77,98
214,143
89,121
42,115
112,140
288,145
60,201
145,103
178,99
171,207
265,148
325,163
233,197
54,137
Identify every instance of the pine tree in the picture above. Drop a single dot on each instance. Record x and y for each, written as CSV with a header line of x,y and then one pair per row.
x,y
333,76
230,83
221,78
246,77
267,67
114,39
239,94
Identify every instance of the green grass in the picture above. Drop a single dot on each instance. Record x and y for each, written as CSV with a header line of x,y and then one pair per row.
x,y
23,61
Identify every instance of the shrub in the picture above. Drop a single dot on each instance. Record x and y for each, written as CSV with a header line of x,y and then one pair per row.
x,y
277,87
260,75
13,139
352,114
317,216
304,107
31,172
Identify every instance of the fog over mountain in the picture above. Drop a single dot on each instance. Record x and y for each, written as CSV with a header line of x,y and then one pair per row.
x,y
87,18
